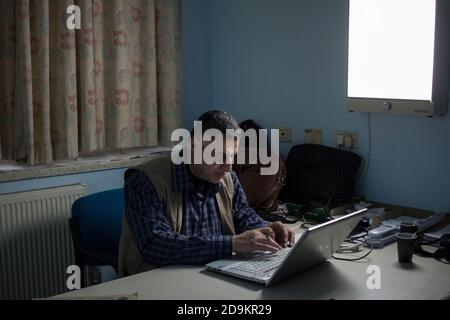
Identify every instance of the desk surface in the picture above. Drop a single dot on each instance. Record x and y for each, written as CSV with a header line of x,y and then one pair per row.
x,y
334,279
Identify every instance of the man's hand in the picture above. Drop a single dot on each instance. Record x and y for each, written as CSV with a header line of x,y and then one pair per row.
x,y
256,239
283,235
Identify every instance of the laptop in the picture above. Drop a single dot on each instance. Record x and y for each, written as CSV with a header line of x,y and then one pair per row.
x,y
311,247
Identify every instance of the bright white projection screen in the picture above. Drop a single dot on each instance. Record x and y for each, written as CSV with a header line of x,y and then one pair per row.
x,y
398,56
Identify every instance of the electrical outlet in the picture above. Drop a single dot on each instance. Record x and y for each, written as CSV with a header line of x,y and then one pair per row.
x,y
285,134
313,136
344,137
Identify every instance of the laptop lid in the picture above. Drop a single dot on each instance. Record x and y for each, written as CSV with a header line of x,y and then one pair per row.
x,y
316,245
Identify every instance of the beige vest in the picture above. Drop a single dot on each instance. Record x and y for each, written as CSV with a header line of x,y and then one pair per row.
x,y
130,261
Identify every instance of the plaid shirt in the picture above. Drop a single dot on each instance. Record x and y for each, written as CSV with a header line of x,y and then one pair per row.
x,y
200,239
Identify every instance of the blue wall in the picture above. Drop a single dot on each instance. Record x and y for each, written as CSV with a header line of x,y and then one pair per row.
x,y
197,63
284,63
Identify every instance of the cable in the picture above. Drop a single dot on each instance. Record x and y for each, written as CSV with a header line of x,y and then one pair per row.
x,y
303,225
355,259
349,246
357,236
306,225
366,168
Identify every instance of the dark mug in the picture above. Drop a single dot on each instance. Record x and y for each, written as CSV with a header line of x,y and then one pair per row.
x,y
405,246
409,227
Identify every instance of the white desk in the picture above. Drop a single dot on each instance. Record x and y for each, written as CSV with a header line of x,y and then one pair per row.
x,y
334,279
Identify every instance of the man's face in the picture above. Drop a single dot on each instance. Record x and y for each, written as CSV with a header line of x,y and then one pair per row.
x,y
215,172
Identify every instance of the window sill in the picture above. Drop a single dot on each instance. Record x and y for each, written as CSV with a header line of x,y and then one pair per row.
x,y
10,171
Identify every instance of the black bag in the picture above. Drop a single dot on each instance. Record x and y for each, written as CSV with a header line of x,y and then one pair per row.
x,y
320,176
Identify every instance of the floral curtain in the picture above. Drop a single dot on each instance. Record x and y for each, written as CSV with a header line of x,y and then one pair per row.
x,y
115,83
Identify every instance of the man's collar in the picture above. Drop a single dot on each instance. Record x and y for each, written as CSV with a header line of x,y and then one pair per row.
x,y
182,180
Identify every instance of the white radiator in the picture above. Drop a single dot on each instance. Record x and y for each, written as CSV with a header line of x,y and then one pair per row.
x,y
35,241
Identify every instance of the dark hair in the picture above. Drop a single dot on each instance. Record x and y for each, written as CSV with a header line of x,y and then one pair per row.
x,y
217,119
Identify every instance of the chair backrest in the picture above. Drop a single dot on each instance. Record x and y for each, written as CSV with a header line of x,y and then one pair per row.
x,y
99,219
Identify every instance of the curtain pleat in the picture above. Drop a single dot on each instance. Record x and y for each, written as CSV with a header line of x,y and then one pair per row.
x,y
8,40
40,61
113,84
87,95
63,83
23,138
167,33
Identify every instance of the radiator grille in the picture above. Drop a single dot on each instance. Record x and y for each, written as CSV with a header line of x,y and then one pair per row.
x,y
35,241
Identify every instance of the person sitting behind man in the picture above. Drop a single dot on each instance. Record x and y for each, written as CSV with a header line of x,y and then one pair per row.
x,y
191,213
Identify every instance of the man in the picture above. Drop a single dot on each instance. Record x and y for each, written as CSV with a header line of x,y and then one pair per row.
x,y
191,213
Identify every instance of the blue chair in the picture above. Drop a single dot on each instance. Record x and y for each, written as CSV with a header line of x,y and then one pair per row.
x,y
96,226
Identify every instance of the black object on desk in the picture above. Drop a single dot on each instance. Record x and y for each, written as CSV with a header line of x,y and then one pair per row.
x,y
409,227
405,246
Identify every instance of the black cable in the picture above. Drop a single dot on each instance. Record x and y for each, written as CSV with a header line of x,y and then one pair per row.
x,y
304,225
312,223
356,236
355,259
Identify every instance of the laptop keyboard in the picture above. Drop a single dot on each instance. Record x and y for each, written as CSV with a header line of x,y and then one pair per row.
x,y
263,263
